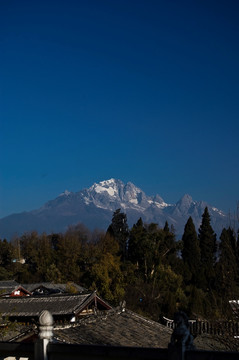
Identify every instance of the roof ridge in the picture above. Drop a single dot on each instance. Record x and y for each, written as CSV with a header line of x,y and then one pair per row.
x,y
87,319
152,322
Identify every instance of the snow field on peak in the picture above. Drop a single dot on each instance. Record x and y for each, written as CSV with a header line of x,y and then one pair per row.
x,y
110,190
133,201
218,211
107,182
159,205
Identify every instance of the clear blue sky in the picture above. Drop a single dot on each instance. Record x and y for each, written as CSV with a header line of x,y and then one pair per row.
x,y
142,91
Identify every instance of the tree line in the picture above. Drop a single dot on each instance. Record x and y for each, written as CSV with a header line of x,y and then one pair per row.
x,y
143,265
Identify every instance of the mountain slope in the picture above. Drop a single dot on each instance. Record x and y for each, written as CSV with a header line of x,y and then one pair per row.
x,y
94,208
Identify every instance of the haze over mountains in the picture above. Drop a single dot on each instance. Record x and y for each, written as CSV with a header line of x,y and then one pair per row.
x,y
94,208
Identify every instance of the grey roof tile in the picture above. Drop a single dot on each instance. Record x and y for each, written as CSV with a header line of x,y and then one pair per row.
x,y
8,284
32,306
53,287
117,329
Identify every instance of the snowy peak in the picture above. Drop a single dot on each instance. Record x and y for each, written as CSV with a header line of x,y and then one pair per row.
x,y
133,194
112,194
111,187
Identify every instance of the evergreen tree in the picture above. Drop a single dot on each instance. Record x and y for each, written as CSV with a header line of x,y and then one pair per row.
x,y
143,248
29,251
191,251
226,268
170,246
6,253
151,249
207,243
44,256
237,253
166,227
136,244
120,231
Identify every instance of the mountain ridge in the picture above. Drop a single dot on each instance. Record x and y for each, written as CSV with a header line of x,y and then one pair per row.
x,y
95,205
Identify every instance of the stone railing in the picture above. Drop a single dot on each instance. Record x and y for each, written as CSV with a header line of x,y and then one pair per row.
x,y
180,347
199,327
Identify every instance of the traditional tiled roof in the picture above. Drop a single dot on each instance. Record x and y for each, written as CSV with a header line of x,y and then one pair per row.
x,y
57,305
8,287
8,284
117,328
18,333
53,288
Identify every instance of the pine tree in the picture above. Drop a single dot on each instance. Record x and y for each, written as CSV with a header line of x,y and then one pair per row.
x,y
237,251
207,243
143,248
191,251
227,260
120,231
137,239
226,269
170,246
166,227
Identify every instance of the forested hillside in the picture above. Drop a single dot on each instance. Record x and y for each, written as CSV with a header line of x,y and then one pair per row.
x,y
143,265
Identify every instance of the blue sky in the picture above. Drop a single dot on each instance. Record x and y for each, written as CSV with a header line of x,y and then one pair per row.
x,y
142,91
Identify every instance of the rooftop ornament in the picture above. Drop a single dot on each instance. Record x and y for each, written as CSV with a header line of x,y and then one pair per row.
x,y
45,335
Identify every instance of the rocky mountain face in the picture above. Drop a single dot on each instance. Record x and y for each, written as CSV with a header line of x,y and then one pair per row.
x,y
94,208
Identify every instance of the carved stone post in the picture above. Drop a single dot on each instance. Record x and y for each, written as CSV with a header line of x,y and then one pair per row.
x,y
44,335
181,339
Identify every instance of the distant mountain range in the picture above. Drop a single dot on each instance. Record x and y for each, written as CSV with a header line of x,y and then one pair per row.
x,y
94,208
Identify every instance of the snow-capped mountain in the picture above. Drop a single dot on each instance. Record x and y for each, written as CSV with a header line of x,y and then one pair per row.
x,y
94,208
112,194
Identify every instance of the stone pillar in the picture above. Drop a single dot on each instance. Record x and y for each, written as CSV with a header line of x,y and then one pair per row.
x,y
44,335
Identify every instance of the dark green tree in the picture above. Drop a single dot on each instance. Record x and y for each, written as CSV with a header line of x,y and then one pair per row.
x,y
29,251
208,247
227,271
168,246
6,253
166,227
237,250
120,231
151,250
44,256
190,252
136,244
143,248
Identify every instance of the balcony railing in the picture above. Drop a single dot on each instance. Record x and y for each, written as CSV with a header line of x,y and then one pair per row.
x,y
197,327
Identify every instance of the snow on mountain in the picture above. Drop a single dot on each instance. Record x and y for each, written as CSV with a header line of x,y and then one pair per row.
x,y
108,186
220,212
112,194
94,208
